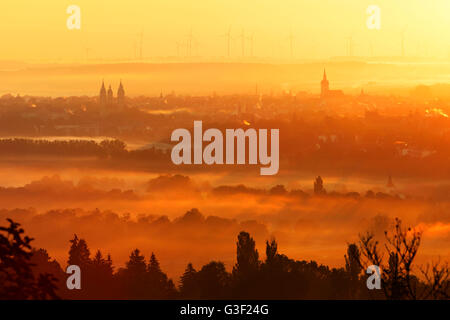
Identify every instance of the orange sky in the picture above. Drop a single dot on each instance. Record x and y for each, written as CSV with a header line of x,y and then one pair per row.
x,y
36,30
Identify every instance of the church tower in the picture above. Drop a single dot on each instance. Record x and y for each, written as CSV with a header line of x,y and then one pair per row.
x,y
390,184
121,95
110,98
102,97
324,85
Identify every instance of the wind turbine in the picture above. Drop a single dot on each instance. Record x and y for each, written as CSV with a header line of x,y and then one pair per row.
x,y
228,38
291,43
87,54
242,36
190,39
196,45
141,44
276,49
179,45
251,39
349,46
138,45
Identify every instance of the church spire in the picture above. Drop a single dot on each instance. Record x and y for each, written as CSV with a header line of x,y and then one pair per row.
x,y
120,94
390,184
110,96
324,85
102,97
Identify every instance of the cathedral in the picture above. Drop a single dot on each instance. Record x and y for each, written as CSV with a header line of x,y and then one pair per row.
x,y
106,98
325,91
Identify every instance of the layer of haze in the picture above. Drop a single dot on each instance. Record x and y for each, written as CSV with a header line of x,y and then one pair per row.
x,y
117,213
222,78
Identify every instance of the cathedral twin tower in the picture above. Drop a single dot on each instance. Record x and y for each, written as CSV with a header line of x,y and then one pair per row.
x,y
107,98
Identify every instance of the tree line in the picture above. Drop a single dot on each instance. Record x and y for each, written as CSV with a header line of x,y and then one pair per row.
x,y
108,148
30,273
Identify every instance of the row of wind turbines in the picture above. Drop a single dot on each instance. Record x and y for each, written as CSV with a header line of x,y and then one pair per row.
x,y
246,46
185,46
188,46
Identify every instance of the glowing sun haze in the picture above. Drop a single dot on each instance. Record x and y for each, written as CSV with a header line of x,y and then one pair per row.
x,y
36,30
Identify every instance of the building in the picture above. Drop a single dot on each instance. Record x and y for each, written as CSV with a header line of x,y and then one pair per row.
x,y
102,98
324,85
106,98
110,96
120,95
325,92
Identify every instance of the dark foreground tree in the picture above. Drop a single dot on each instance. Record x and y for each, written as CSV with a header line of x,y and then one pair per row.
x,y
353,270
140,280
25,273
160,286
397,278
17,280
437,279
213,281
188,283
246,271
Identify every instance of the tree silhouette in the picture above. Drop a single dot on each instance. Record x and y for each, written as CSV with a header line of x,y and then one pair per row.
x,y
142,281
401,248
352,261
43,264
133,277
273,272
16,275
271,252
188,283
246,270
100,274
79,252
101,264
27,273
353,269
318,186
437,277
247,255
153,266
159,285
79,255
136,265
213,281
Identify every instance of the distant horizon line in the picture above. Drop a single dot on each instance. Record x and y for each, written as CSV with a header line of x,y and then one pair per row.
x,y
222,60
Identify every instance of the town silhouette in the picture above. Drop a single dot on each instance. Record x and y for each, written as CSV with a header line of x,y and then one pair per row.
x,y
170,150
